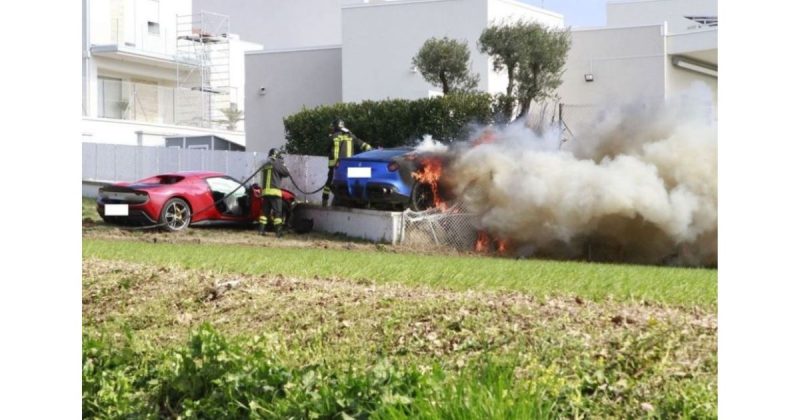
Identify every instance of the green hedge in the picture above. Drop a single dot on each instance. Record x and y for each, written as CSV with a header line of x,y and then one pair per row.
x,y
390,123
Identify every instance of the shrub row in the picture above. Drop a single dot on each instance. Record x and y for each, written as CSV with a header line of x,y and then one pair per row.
x,y
391,122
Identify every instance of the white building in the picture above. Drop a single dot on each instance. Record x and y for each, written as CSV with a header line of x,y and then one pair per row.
x,y
321,52
379,40
154,69
650,49
283,24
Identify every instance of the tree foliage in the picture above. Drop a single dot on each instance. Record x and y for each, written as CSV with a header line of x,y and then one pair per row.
x,y
445,63
533,56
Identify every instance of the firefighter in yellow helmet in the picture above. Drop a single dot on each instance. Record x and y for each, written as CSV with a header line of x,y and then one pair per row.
x,y
342,144
271,195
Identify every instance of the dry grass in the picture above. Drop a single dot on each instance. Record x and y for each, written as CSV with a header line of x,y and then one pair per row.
x,y
334,319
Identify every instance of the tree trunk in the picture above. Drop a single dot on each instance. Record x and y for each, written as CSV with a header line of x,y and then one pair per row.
x,y
526,106
443,79
510,88
509,106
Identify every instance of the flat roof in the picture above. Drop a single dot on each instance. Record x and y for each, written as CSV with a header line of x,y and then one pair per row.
x,y
378,3
298,49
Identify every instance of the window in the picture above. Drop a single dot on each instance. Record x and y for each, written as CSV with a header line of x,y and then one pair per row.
x,y
109,100
153,28
235,203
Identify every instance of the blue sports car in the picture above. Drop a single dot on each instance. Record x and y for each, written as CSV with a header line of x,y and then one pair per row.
x,y
381,178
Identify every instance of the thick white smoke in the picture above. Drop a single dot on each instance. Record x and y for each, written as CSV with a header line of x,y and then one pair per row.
x,y
638,183
429,145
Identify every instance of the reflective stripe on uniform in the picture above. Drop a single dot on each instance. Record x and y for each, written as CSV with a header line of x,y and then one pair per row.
x,y
277,221
262,220
349,146
267,190
336,141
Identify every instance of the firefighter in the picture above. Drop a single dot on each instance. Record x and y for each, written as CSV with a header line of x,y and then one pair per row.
x,y
271,196
341,147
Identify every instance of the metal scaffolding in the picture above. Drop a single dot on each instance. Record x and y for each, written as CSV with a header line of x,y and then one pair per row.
x,y
202,69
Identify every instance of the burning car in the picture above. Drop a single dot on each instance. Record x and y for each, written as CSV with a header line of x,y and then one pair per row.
x,y
388,178
176,200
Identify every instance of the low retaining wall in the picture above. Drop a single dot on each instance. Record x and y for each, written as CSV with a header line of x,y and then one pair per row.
x,y
372,225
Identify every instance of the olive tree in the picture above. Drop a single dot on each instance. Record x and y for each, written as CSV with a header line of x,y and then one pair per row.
x,y
445,63
533,57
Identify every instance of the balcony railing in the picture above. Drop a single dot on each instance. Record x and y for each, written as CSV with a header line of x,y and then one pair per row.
x,y
151,103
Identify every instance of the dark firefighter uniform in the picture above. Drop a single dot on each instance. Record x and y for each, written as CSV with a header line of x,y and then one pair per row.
x,y
343,142
271,196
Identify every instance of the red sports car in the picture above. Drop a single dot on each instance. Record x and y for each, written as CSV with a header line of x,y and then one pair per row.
x,y
176,200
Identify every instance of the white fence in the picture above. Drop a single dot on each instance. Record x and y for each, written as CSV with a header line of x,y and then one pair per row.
x,y
105,163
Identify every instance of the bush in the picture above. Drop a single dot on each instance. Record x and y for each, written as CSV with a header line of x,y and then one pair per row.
x,y
389,123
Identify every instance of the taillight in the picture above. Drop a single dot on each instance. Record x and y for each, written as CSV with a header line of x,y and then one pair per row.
x,y
393,166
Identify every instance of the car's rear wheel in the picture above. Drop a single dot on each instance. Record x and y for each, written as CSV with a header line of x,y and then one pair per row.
x,y
421,197
176,215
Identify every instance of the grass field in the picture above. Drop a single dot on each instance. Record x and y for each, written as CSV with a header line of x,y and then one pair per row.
x,y
592,281
321,328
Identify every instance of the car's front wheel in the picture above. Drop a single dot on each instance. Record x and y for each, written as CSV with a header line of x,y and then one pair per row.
x,y
176,215
421,197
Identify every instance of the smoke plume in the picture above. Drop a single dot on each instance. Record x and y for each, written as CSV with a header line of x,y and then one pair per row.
x,y
638,183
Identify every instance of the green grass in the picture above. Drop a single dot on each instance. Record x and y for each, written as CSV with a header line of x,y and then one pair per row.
x,y
676,286
372,333
330,347
212,376
89,210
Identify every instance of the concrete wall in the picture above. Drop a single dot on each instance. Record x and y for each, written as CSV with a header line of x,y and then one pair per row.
x,y
648,12
281,24
292,80
627,64
372,225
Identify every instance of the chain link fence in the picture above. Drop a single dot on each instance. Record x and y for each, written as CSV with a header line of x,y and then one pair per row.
x,y
451,228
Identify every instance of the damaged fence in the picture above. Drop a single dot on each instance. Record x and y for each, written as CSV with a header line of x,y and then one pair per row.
x,y
451,228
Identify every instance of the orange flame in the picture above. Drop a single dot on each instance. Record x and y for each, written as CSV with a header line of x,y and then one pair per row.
x,y
502,246
430,173
482,243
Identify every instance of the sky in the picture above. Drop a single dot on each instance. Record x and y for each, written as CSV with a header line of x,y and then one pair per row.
x,y
577,13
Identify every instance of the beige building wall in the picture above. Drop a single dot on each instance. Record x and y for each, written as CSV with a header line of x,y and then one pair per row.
x,y
624,63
